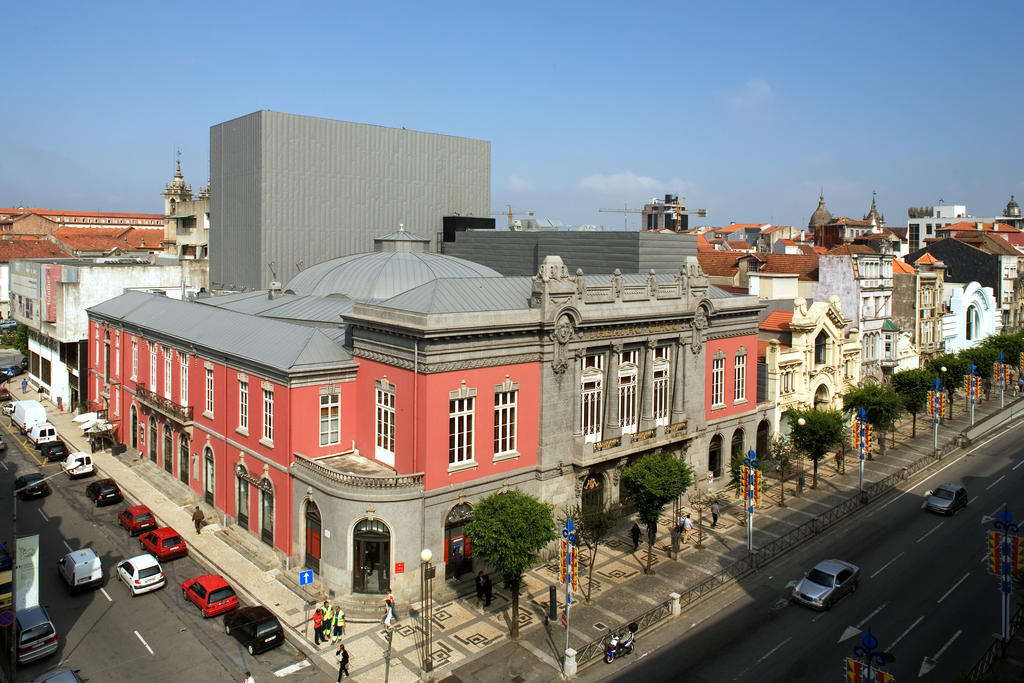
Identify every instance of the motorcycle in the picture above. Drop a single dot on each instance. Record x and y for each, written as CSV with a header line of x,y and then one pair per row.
x,y
619,645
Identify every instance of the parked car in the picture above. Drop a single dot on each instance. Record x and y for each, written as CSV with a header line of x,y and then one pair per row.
x,y
61,674
41,433
165,543
36,636
136,519
946,499
27,413
78,464
141,574
8,325
5,394
31,485
104,492
254,627
7,408
828,581
81,569
54,451
210,593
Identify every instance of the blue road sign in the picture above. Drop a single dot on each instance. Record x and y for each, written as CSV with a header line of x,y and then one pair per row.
x,y
9,372
305,577
6,618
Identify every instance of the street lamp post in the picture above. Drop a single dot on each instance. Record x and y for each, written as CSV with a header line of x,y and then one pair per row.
x,y
935,408
972,385
750,479
1000,369
943,370
1005,546
800,480
862,430
427,578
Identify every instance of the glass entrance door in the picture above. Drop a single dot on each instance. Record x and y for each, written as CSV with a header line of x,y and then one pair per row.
x,y
372,554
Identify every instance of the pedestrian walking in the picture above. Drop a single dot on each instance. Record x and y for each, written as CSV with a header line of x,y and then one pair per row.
x,y
711,481
197,519
328,621
318,626
635,534
342,654
339,625
715,510
24,386
687,528
390,614
480,586
248,678
488,587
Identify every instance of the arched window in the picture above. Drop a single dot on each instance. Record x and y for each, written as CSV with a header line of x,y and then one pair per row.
x,y
971,323
267,512
763,432
209,478
314,526
168,449
135,428
183,458
457,556
242,496
715,455
152,438
738,445
593,491
371,550
821,348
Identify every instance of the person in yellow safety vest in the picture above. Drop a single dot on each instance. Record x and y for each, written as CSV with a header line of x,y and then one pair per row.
x,y
328,620
339,625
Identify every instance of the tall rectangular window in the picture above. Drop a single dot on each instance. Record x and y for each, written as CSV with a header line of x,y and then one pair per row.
x,y
740,378
209,390
135,360
152,368
661,377
268,414
168,382
627,390
505,421
591,404
183,378
385,421
460,430
718,382
330,419
243,404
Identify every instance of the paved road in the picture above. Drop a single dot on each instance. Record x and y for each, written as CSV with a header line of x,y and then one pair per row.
x,y
106,633
924,593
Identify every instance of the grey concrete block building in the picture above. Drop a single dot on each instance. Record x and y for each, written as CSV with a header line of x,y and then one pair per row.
x,y
292,191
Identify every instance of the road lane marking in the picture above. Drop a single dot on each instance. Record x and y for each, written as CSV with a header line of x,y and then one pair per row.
x,y
5,464
1018,464
909,629
770,652
299,666
43,515
973,499
143,641
886,565
946,594
995,482
104,591
67,546
868,617
930,532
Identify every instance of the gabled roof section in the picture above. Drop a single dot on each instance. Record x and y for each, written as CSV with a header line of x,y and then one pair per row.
x,y
890,326
901,266
802,265
927,258
973,227
30,248
843,220
850,249
719,263
468,295
777,321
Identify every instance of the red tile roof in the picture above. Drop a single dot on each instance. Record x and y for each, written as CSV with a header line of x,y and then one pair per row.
x,y
973,226
787,242
803,265
849,249
777,321
762,348
843,220
721,263
107,239
737,244
927,258
702,243
901,266
29,248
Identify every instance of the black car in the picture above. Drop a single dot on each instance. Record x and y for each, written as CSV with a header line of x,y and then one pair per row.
x,y
54,451
31,486
104,492
255,628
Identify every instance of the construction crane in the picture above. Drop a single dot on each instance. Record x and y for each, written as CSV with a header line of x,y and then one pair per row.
x,y
673,208
510,212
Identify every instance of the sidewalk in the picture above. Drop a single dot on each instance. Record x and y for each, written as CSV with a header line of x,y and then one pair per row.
x,y
470,643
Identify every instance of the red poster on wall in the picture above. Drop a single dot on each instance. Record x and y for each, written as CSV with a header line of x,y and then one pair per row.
x,y
399,567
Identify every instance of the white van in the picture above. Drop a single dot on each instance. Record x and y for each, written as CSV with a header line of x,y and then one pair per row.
x,y
42,433
28,413
78,464
81,569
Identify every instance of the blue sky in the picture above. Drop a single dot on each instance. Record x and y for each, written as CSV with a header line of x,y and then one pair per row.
x,y
744,108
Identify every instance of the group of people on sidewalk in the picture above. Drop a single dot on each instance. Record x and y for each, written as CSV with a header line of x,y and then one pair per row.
x,y
329,627
684,527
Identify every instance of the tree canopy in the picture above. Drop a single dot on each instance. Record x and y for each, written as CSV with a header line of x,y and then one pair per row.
x,y
881,403
821,432
913,387
652,482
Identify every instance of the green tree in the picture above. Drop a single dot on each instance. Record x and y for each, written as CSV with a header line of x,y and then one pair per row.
x,y
1010,345
982,358
913,387
652,482
882,405
594,524
507,531
953,377
822,430
783,457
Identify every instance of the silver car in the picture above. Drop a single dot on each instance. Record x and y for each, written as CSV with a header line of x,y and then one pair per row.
x,y
826,583
946,499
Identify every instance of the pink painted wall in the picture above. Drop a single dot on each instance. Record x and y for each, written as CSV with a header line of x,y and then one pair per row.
x,y
730,346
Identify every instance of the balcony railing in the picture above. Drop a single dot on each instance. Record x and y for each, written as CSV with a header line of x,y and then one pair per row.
x,y
164,405
368,481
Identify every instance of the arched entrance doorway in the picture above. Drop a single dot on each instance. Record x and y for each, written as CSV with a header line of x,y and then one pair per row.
x,y
457,557
372,552
135,429
208,476
266,512
168,449
152,439
592,494
821,398
715,455
242,496
313,529
183,458
763,432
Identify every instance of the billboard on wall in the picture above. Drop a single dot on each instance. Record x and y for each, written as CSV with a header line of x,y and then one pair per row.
x,y
50,295
26,572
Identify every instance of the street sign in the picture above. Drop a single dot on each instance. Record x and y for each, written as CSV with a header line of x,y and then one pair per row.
x,y
7,618
9,372
565,622
306,577
399,567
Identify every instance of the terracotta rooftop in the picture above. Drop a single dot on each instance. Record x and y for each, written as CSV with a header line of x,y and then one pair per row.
x,y
721,263
777,321
762,348
927,258
901,266
849,249
973,227
737,244
803,265
29,248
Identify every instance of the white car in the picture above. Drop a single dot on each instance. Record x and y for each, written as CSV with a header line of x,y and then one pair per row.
x,y
78,464
141,574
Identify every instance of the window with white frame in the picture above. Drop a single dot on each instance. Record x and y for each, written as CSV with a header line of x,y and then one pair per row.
x,y
627,390
889,353
591,404
461,407
506,397
152,368
662,358
243,403
330,417
209,390
268,414
117,354
786,382
740,377
168,381
183,378
718,380
385,420
135,359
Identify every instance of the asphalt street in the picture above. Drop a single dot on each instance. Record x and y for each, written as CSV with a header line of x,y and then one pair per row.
x,y
106,633
924,593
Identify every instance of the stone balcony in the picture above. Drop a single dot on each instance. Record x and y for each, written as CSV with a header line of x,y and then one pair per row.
x,y
585,454
352,473
165,406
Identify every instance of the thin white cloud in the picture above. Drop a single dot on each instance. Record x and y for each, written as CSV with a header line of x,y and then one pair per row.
x,y
626,183
752,94
518,183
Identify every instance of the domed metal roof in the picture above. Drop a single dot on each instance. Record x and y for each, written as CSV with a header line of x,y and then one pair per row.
x,y
821,215
1012,208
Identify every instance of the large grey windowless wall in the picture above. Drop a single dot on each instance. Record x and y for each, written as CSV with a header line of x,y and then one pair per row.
x,y
289,191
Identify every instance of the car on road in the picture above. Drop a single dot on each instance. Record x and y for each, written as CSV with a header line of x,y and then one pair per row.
x,y
210,593
104,492
31,485
254,627
7,408
141,574
165,543
61,674
946,499
8,325
5,394
136,519
81,570
54,451
828,581
78,464
36,636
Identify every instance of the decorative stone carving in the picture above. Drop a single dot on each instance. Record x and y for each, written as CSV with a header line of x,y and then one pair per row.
x,y
652,283
561,336
617,284
699,324
581,285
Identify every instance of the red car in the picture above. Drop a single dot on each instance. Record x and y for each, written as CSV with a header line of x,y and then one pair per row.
x,y
211,594
164,543
137,519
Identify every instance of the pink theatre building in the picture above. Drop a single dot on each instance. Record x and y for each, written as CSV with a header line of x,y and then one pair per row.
x,y
355,415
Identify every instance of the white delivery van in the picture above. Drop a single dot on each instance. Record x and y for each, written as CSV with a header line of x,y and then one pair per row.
x,y
81,569
26,414
78,464
42,433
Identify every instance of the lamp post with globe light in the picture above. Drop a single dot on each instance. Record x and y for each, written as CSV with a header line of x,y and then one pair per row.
x,y
427,579
800,480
